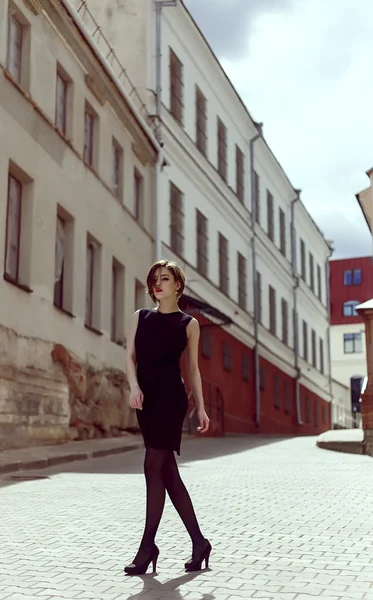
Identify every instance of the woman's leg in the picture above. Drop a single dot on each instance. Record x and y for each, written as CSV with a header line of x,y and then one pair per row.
x,y
155,499
180,498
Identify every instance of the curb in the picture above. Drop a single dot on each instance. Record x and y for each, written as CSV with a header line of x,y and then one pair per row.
x,y
347,447
52,461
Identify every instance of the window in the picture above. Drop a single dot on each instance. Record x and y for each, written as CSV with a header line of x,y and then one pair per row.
x,y
272,310
240,175
245,367
308,409
177,220
257,197
316,412
295,331
321,352
352,277
347,278
61,103
89,135
14,49
138,195
305,340
303,260
282,232
59,268
89,284
114,301
242,293
206,342
222,150
176,88
117,170
64,262
259,296
18,229
262,378
223,264
285,321
227,357
349,308
93,285
353,343
277,390
117,303
287,397
139,295
356,277
314,351
201,122
202,244
312,272
270,222
13,229
319,292
324,413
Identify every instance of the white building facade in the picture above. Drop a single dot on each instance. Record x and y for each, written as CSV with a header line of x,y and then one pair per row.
x,y
77,223
227,211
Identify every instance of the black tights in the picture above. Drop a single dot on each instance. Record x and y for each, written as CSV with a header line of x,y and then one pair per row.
x,y
161,474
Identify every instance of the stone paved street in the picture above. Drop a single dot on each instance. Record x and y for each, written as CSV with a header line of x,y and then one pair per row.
x,y
287,521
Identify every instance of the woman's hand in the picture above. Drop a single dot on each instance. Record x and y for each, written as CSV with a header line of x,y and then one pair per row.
x,y
204,421
136,398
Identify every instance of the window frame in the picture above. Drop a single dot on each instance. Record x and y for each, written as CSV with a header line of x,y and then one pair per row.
x,y
176,74
222,150
350,304
272,310
18,44
202,243
282,231
285,321
242,280
240,175
176,220
352,337
223,246
12,180
270,217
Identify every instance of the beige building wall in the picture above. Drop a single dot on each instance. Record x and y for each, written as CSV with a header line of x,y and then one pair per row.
x,y
59,378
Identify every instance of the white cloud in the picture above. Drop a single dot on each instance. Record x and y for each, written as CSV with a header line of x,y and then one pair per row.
x,y
306,76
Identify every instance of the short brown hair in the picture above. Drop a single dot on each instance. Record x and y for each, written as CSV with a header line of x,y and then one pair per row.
x,y
173,268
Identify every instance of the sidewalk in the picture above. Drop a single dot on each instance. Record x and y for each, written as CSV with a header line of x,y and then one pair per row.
x,y
342,440
42,457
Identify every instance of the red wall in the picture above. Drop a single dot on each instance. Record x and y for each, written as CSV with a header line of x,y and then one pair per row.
x,y
340,293
239,395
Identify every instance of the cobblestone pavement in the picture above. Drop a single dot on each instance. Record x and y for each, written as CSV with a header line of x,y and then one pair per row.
x,y
287,521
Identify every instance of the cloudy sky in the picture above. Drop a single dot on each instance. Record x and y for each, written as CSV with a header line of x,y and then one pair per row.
x,y
304,68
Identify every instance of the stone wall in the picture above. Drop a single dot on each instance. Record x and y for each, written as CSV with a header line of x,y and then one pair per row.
x,y
48,396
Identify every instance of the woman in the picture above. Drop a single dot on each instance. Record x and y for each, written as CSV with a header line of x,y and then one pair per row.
x,y
157,339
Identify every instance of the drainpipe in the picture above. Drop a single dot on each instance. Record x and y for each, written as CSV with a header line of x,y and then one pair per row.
x,y
327,278
295,306
159,5
255,295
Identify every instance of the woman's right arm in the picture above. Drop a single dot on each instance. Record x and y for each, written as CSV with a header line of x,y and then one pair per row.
x,y
136,395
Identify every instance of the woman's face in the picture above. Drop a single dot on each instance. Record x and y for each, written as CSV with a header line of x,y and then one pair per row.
x,y
165,285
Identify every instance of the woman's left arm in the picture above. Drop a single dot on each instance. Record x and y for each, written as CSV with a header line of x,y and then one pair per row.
x,y
194,376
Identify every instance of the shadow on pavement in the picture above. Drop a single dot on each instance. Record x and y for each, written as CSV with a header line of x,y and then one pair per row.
x,y
192,450
151,584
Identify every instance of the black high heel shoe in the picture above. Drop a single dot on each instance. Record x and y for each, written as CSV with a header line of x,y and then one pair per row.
x,y
195,563
133,569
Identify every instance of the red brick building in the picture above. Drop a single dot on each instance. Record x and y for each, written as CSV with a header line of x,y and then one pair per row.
x,y
228,373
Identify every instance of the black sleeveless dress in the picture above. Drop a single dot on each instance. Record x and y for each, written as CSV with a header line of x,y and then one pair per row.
x,y
160,340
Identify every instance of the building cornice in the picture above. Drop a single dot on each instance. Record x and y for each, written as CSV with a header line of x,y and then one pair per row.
x,y
99,78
